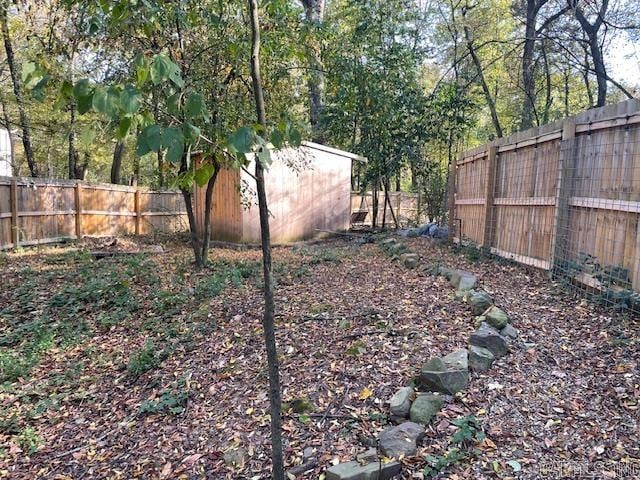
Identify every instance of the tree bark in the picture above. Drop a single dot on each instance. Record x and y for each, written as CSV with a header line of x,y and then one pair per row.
x,y
17,90
116,165
208,205
592,33
314,13
268,323
483,83
75,169
528,66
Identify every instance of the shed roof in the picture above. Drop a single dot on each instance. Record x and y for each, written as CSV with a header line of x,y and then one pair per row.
x,y
335,151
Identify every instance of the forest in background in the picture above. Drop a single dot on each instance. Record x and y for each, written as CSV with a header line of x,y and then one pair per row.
x,y
406,83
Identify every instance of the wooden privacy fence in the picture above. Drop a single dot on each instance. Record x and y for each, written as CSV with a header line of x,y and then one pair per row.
x,y
562,197
405,206
35,211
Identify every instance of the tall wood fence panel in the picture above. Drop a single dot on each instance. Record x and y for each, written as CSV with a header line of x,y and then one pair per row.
x,y
35,211
406,206
564,197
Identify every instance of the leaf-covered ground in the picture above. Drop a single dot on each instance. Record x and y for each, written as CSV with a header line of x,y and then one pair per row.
x,y
138,367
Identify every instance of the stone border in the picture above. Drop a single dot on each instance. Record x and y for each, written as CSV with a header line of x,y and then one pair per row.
x,y
440,377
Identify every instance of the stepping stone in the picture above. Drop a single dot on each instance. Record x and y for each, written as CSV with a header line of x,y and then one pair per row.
x,y
425,407
479,301
401,440
449,374
509,332
488,337
496,317
400,403
480,358
410,260
354,470
463,280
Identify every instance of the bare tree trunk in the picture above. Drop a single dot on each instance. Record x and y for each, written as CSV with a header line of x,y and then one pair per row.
x,y
483,83
75,170
208,205
193,227
17,90
548,86
384,206
269,304
314,12
528,66
374,204
116,165
591,30
388,200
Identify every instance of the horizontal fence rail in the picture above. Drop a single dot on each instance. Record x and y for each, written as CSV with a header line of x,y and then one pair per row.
x,y
405,206
36,211
563,197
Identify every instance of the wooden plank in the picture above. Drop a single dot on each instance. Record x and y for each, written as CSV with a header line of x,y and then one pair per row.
x,y
452,196
13,200
528,143
138,211
78,202
564,188
473,158
526,201
490,191
534,262
108,213
470,201
161,214
605,204
46,213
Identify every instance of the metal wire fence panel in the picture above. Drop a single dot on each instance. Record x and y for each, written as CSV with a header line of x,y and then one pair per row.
x,y
564,197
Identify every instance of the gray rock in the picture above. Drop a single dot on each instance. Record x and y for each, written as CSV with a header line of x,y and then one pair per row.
x,y
446,272
425,407
410,260
461,295
400,403
449,374
480,358
401,440
398,248
496,317
479,301
463,280
354,470
488,337
509,332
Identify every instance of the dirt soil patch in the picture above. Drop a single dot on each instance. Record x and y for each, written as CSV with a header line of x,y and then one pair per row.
x,y
139,367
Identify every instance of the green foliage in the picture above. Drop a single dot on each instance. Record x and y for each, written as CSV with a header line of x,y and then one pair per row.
x,y
29,440
356,349
437,464
172,401
469,431
145,359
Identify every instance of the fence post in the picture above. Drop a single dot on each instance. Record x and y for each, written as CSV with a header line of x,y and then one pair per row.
x,y
78,201
564,186
452,196
489,195
138,211
13,200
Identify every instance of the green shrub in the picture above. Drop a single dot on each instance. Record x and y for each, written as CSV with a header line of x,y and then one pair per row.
x,y
143,360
